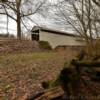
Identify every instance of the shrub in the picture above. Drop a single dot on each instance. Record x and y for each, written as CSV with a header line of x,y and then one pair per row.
x,y
50,84
93,49
44,45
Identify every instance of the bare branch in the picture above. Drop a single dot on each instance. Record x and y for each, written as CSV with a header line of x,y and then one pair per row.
x,y
97,2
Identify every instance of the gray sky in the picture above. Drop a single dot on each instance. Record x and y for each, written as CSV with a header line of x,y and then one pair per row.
x,y
46,21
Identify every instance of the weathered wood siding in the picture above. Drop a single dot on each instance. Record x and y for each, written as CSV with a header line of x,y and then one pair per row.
x,y
59,40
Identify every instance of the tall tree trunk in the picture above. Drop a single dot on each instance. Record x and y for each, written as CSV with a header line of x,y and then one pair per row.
x,y
7,24
89,18
18,21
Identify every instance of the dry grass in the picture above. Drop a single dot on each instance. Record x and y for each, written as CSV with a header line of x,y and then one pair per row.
x,y
22,68
20,74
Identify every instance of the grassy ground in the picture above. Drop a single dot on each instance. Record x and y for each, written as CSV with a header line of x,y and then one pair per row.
x,y
23,66
20,74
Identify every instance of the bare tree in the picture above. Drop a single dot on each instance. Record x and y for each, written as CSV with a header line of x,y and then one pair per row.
x,y
19,9
97,2
82,15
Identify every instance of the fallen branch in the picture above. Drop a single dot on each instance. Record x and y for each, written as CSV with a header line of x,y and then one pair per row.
x,y
49,94
85,63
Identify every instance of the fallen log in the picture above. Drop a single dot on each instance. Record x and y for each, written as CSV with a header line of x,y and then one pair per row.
x,y
95,65
54,93
85,63
51,94
69,82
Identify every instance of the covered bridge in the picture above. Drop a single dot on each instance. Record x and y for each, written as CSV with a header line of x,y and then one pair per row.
x,y
55,37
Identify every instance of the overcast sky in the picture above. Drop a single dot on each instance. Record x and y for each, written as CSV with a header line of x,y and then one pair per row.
x,y
38,19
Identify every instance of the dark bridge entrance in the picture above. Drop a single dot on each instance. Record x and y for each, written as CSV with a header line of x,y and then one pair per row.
x,y
35,35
